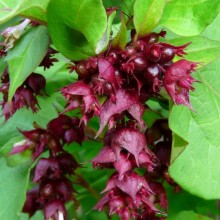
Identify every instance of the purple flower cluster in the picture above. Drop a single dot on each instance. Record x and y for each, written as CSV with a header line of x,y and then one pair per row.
x,y
129,194
25,95
54,187
115,86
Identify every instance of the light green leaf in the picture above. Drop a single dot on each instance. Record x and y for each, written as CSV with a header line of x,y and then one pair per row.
x,y
196,169
78,28
178,146
27,54
201,49
8,9
14,183
189,215
189,17
35,9
147,14
213,30
103,42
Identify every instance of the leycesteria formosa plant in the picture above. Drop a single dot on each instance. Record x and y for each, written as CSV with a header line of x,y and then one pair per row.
x,y
109,109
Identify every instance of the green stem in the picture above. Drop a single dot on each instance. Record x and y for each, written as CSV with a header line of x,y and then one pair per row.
x,y
86,185
93,192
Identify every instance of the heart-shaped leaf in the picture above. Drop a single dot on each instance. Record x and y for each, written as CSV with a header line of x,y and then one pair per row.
x,y
196,169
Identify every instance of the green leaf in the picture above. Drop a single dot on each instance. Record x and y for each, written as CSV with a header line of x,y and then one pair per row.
x,y
103,42
128,10
182,200
147,14
201,49
190,215
35,9
120,39
196,169
178,146
213,31
27,54
189,17
76,27
14,183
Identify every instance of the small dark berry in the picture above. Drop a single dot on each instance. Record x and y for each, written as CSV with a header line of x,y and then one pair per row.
x,y
81,69
52,144
151,72
92,65
139,45
167,55
154,52
151,38
130,51
140,63
108,89
47,190
112,57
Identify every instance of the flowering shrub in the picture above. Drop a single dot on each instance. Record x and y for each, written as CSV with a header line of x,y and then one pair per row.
x,y
109,109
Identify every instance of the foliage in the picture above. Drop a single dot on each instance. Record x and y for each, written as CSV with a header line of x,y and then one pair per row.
x,y
102,97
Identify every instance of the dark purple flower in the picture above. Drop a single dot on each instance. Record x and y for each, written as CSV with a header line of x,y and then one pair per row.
x,y
160,192
67,129
48,60
130,184
36,82
106,82
129,197
178,81
125,100
37,140
67,163
32,203
56,188
46,167
130,139
25,95
64,189
55,209
106,155
81,95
